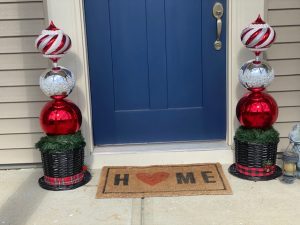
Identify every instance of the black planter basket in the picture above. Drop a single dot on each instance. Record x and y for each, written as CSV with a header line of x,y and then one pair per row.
x,y
60,165
255,156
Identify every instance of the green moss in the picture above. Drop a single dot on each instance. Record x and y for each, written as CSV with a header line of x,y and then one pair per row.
x,y
258,136
61,143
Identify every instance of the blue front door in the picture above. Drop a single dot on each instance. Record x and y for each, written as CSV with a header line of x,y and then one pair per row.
x,y
155,75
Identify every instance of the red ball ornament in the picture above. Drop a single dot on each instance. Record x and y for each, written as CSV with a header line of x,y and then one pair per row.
x,y
60,117
257,110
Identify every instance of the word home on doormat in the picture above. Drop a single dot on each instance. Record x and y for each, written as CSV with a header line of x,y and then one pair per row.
x,y
165,180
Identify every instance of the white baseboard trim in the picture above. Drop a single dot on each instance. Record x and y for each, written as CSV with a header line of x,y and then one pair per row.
x,y
129,156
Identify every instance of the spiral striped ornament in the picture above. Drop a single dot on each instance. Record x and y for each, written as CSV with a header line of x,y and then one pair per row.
x,y
53,43
258,36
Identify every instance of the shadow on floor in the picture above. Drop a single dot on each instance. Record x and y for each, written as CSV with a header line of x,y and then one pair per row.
x,y
23,202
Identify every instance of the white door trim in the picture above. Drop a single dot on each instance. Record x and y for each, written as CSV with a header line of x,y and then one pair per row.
x,y
69,15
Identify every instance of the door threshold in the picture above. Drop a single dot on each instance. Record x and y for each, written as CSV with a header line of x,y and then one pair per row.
x,y
161,153
162,147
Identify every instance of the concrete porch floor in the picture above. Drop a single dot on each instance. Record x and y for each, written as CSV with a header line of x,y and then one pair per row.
x,y
22,202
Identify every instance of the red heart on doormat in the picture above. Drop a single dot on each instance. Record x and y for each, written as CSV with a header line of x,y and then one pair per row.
x,y
152,179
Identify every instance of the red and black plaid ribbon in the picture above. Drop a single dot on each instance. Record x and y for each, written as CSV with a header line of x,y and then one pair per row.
x,y
255,172
64,180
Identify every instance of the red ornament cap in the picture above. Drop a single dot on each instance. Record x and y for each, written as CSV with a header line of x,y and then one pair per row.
x,y
259,20
52,26
58,97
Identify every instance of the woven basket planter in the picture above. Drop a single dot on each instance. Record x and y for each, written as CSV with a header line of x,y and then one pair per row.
x,y
62,165
255,161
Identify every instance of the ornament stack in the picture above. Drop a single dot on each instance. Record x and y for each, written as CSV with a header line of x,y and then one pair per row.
x,y
63,147
256,140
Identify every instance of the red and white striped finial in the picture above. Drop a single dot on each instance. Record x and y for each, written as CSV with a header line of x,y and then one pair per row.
x,y
258,36
53,43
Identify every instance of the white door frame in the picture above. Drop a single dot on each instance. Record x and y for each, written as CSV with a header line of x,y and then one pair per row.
x,y
69,15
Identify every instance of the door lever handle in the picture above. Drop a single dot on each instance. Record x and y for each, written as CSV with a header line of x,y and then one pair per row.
x,y
218,12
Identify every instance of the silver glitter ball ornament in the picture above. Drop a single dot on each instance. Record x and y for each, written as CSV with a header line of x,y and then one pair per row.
x,y
255,74
57,81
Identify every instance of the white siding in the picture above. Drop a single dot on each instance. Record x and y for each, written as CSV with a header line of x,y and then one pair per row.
x,y
284,56
20,97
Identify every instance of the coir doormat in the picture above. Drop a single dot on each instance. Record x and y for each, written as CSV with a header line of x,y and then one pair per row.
x,y
166,180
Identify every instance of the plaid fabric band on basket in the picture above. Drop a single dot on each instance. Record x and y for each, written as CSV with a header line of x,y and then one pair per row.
x,y
255,172
64,180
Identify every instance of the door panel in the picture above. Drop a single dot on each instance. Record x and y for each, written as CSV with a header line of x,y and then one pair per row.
x,y
129,54
183,40
155,75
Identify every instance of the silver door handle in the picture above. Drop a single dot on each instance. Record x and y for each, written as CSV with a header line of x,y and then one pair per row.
x,y
218,12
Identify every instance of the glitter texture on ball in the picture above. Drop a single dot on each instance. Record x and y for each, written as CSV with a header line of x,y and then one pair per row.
x,y
57,81
256,75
